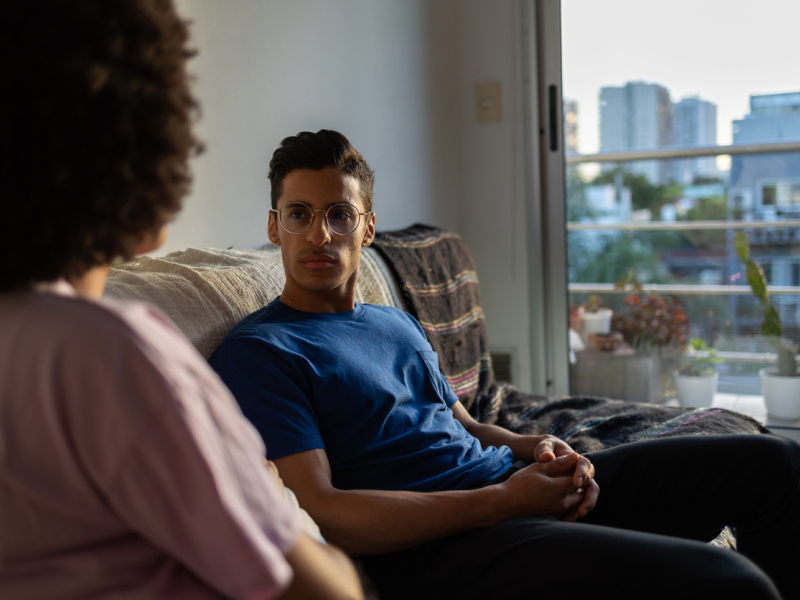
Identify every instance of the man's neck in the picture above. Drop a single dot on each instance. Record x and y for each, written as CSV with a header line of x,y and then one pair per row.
x,y
331,301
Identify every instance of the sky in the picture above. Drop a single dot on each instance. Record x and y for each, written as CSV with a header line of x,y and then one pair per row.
x,y
723,51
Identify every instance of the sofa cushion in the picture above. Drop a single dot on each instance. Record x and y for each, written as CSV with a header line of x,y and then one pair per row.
x,y
205,292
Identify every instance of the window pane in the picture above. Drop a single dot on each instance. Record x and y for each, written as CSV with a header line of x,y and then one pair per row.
x,y
663,230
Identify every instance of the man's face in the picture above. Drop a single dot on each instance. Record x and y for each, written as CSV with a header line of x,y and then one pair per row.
x,y
321,266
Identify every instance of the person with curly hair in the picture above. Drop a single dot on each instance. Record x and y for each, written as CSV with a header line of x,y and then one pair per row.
x,y
126,468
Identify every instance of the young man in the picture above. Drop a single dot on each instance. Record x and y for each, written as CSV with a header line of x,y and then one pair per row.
x,y
126,467
367,432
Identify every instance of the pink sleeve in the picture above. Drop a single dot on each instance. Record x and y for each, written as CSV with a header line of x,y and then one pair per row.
x,y
192,479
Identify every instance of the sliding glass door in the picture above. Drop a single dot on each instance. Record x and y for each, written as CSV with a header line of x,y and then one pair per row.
x,y
677,128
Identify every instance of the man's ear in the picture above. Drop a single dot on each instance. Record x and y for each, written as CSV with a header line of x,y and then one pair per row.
x,y
369,231
272,230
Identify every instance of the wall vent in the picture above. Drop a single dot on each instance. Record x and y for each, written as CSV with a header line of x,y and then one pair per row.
x,y
504,363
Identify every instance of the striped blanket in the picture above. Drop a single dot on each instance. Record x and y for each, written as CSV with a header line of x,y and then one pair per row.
x,y
440,287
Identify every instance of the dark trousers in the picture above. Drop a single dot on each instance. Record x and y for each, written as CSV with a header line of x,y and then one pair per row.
x,y
660,502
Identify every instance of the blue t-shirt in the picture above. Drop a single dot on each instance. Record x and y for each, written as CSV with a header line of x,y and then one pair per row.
x,y
365,386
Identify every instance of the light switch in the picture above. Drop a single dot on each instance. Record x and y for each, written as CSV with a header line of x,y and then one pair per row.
x,y
487,102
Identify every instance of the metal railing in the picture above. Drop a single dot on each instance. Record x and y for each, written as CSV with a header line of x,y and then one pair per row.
x,y
685,152
683,290
683,225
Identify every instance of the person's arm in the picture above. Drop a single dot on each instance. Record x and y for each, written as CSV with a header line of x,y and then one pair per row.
x,y
321,573
534,449
374,521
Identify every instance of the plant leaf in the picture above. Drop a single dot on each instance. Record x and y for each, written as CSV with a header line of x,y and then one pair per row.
x,y
771,327
755,277
787,366
741,245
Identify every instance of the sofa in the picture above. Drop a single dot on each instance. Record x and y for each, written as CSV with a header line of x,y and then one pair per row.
x,y
430,273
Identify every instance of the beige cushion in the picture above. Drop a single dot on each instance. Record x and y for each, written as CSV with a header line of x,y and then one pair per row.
x,y
207,291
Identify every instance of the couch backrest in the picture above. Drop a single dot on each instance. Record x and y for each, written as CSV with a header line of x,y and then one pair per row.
x,y
206,292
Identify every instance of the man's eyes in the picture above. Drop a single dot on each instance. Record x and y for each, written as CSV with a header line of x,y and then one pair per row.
x,y
298,213
341,215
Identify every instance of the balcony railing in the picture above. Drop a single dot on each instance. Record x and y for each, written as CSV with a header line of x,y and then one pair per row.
x,y
791,146
686,152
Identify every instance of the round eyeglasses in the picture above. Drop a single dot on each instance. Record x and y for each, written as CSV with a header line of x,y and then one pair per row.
x,y
341,218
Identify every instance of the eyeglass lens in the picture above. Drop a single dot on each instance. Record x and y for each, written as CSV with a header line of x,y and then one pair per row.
x,y
341,218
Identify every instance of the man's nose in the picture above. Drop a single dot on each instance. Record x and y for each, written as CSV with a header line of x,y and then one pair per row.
x,y
318,233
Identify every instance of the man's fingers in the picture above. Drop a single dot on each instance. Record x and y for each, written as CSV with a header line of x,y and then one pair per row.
x,y
544,451
591,493
584,472
561,464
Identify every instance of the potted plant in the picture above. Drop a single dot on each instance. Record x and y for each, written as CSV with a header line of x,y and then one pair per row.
x,y
780,385
656,327
595,319
696,380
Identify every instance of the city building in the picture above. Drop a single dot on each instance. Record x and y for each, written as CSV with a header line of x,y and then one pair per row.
x,y
637,116
766,187
694,124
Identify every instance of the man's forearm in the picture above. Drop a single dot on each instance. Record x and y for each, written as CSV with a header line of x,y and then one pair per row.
x,y
376,522
520,445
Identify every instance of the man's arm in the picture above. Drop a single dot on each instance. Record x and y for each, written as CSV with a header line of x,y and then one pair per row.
x,y
534,449
375,521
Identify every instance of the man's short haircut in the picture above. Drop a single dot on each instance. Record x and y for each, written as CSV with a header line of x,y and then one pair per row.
x,y
96,117
316,151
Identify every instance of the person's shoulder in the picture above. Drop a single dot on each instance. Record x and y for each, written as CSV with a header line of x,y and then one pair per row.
x,y
66,318
390,314
265,327
390,311
50,329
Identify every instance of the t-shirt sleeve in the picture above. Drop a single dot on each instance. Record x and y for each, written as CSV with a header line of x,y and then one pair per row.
x,y
450,397
271,394
177,463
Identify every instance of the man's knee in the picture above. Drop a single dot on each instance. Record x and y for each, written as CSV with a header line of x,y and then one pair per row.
x,y
733,576
781,456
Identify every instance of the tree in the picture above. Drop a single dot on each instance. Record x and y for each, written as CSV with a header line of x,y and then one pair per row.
x,y
713,208
644,194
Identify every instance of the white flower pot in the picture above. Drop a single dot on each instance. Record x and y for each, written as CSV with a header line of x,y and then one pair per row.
x,y
595,322
781,394
697,392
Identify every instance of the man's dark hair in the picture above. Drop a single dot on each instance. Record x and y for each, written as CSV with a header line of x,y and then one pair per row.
x,y
316,151
96,118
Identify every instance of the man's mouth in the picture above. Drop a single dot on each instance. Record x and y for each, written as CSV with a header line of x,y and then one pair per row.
x,y
318,261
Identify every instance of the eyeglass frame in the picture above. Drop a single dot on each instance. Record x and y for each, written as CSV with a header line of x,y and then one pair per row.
x,y
316,210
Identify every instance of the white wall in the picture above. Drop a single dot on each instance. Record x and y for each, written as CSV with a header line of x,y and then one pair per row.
x,y
492,196
381,72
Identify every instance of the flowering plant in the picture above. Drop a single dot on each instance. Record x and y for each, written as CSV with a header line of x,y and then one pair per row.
x,y
651,320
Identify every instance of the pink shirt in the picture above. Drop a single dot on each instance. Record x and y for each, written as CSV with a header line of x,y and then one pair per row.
x,y
126,467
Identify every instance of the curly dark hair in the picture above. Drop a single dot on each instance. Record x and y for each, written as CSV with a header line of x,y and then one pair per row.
x,y
96,119
326,148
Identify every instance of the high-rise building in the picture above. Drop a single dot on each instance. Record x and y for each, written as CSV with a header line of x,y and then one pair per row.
x,y
694,124
637,116
767,186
